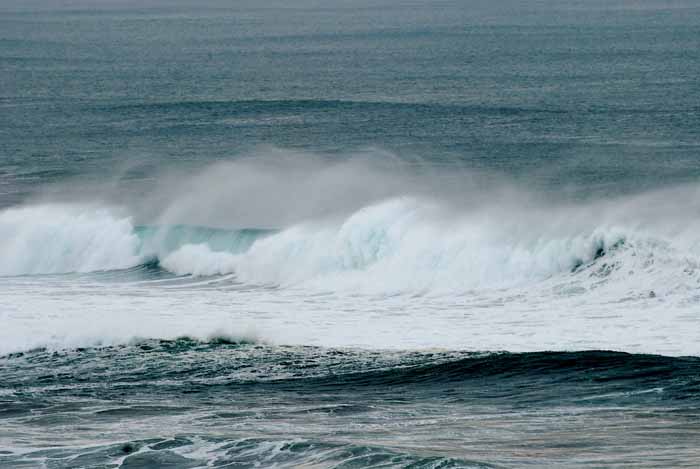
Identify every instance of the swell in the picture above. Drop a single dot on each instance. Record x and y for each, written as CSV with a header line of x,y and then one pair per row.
x,y
593,368
586,377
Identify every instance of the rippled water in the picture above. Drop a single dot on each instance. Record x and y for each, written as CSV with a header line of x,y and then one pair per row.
x,y
187,403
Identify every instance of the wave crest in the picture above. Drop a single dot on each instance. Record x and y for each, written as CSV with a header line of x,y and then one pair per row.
x,y
50,239
398,245
401,244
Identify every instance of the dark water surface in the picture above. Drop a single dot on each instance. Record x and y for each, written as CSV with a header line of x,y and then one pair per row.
x,y
244,405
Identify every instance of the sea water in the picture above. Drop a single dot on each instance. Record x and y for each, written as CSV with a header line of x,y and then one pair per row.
x,y
329,234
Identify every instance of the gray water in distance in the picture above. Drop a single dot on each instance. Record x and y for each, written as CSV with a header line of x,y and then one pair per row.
x,y
349,234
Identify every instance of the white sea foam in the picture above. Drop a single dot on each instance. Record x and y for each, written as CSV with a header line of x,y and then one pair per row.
x,y
403,272
199,260
48,239
409,246
405,245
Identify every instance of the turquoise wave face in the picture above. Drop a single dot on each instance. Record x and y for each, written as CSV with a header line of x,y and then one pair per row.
x,y
163,239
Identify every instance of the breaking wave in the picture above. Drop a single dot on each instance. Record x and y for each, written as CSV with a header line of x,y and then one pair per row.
x,y
400,244
49,239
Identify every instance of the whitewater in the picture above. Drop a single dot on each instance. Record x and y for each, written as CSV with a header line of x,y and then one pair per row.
x,y
504,271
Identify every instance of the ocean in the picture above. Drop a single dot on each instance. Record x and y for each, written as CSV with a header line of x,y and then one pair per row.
x,y
329,234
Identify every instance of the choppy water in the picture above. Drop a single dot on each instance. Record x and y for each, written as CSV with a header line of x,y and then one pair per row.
x,y
386,234
190,403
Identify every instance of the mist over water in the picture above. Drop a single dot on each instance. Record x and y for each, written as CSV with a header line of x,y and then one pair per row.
x,y
373,235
